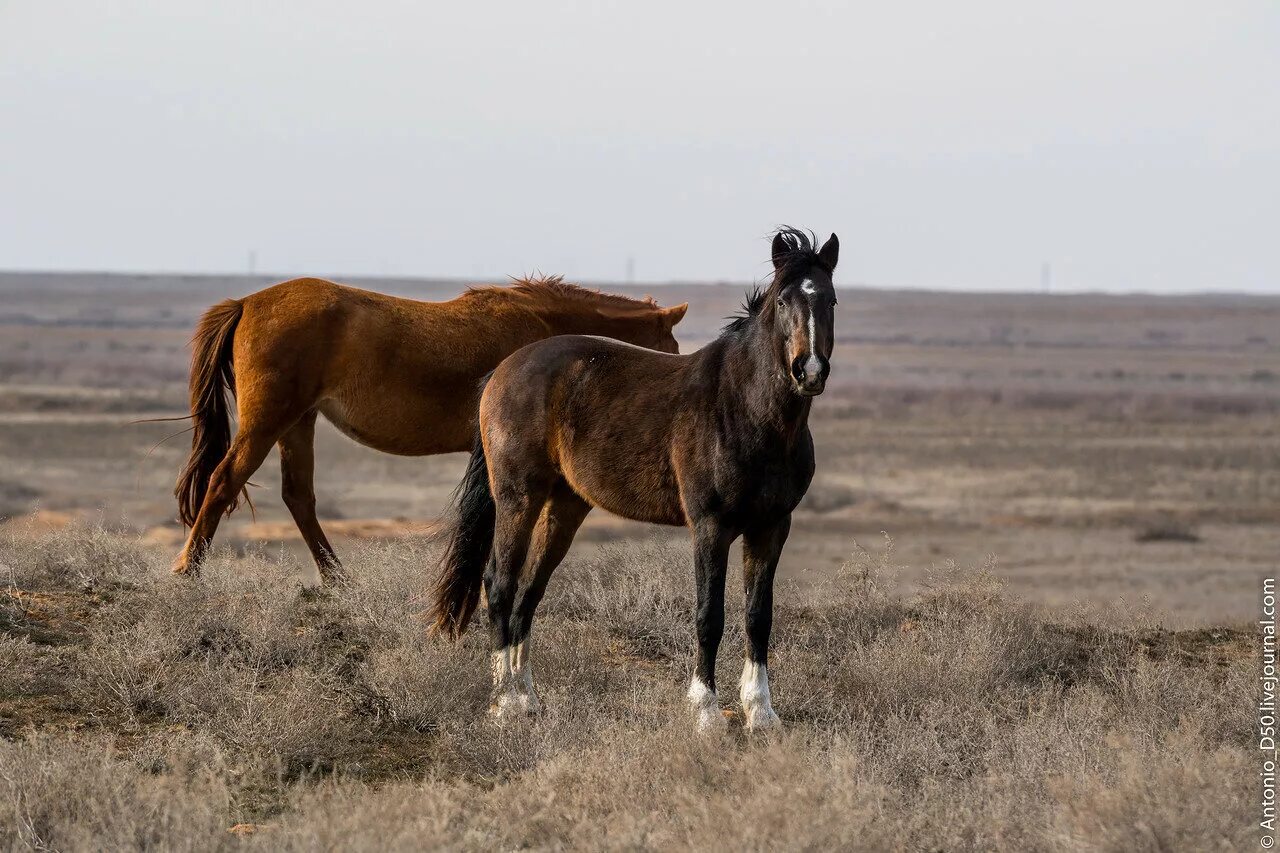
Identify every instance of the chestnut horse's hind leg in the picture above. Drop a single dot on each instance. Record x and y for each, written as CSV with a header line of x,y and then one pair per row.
x,y
248,449
517,511
760,552
297,487
561,516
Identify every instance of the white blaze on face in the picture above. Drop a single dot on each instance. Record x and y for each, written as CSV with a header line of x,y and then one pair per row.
x,y
812,366
753,691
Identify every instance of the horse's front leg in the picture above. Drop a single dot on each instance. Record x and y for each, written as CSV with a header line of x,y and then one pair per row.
x,y
761,549
711,555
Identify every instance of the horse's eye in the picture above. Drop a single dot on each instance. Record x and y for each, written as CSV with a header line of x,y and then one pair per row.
x,y
780,302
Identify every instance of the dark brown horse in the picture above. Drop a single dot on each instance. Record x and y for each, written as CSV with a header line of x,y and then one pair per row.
x,y
397,375
717,440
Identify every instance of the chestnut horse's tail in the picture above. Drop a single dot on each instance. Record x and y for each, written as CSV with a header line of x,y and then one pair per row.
x,y
457,590
212,376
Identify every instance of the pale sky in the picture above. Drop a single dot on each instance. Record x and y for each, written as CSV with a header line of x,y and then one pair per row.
x,y
1132,145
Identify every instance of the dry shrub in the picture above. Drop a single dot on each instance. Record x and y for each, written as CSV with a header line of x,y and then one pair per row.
x,y
958,719
641,593
26,667
60,796
249,658
80,557
1170,794
660,789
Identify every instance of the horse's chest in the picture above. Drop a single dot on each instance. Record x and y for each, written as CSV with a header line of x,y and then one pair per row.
x,y
756,494
766,486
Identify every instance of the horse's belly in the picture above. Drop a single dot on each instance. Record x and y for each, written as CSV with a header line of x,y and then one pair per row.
x,y
413,426
654,509
640,493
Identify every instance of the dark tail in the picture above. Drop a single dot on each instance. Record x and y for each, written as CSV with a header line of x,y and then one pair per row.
x,y
457,590
212,376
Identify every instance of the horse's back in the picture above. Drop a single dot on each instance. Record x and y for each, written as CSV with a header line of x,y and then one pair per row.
x,y
597,412
577,372
301,303
392,373
301,330
300,311
639,433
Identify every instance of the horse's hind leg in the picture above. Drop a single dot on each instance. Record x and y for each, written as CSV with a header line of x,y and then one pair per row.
x,y
248,449
297,487
517,510
561,516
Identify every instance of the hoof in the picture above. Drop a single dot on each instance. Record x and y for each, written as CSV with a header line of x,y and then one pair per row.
x,y
709,721
753,693
707,716
184,569
706,710
514,705
760,720
334,577
312,593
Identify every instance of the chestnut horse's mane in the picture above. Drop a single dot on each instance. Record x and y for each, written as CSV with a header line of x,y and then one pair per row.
x,y
548,287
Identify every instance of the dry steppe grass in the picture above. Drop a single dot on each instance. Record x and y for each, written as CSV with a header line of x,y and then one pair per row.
x,y
140,711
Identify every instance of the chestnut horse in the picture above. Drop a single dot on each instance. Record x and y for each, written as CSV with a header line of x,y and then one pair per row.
x,y
397,375
717,440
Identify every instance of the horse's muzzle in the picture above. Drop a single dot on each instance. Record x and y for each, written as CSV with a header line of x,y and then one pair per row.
x,y
811,389
810,375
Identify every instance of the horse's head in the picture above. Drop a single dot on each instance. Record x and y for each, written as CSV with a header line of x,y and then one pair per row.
x,y
800,303
646,326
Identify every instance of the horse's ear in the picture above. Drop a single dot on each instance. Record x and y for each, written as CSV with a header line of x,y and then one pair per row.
x,y
674,314
780,249
830,252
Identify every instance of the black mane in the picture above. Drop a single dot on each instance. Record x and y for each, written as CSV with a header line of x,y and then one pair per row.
x,y
799,258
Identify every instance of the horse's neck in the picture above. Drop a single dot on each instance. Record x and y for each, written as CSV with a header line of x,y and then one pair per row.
x,y
566,316
757,385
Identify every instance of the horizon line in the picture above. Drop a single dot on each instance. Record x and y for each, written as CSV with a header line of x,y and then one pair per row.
x,y
593,282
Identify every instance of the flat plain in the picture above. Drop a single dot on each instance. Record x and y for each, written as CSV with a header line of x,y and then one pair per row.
x,y
1100,447
1014,611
